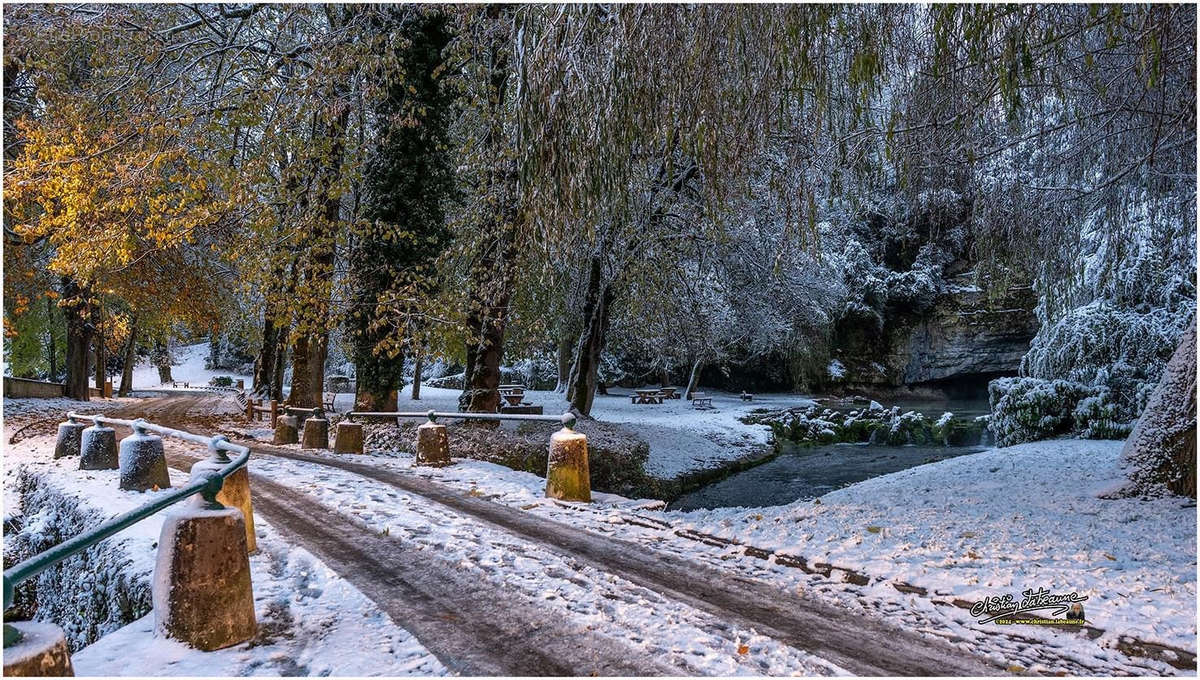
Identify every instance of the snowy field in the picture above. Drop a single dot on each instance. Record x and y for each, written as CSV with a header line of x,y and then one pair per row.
x,y
998,522
190,369
974,526
308,616
681,438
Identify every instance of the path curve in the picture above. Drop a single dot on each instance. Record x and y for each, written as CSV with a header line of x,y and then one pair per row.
x,y
508,637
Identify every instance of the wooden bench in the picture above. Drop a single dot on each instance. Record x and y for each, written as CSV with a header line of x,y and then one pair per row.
x,y
701,400
746,396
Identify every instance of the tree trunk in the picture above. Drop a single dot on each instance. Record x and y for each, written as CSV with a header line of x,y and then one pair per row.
x,y
264,368
564,362
79,340
214,351
693,379
130,358
162,360
581,388
301,394
280,369
664,377
1161,450
418,364
101,369
51,349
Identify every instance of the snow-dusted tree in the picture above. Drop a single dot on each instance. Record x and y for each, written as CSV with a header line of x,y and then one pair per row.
x,y
1161,451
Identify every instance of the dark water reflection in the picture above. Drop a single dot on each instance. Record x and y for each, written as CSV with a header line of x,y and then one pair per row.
x,y
807,472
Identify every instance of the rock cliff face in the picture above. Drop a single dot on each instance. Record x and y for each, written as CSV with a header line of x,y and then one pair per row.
x,y
961,342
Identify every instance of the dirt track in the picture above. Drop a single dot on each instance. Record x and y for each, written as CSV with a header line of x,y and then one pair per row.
x,y
478,628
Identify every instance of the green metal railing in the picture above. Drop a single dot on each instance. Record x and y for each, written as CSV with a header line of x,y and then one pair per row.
x,y
567,419
208,484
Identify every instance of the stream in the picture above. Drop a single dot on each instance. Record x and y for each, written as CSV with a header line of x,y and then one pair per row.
x,y
806,471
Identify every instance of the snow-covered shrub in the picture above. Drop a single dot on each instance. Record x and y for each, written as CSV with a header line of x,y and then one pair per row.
x,y
1097,417
1122,351
450,382
539,372
88,595
1029,409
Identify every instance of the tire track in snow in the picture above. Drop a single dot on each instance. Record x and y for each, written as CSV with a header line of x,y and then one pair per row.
x,y
857,643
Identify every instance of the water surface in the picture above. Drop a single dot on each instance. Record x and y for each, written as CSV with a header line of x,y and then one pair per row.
x,y
810,471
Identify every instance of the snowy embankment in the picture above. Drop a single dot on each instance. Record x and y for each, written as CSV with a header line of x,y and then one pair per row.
x,y
981,525
308,616
189,368
682,439
1000,522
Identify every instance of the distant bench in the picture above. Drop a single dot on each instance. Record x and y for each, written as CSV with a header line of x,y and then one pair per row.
x,y
701,400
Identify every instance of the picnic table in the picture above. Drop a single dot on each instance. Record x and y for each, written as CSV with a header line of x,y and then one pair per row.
x,y
669,392
646,397
513,398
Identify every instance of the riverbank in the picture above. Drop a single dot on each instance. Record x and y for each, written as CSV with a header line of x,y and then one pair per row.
x,y
687,447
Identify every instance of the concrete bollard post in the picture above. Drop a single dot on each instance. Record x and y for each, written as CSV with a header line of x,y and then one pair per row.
x,y
236,490
143,465
285,430
349,438
40,651
567,476
433,445
69,433
98,448
316,432
201,588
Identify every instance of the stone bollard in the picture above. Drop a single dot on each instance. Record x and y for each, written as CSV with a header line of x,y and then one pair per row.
x,y
143,465
349,438
567,476
236,490
98,448
316,432
69,433
201,586
41,651
285,430
433,446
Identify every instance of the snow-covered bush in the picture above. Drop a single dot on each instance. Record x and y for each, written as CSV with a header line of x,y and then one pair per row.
x,y
1097,417
1028,409
88,595
1122,351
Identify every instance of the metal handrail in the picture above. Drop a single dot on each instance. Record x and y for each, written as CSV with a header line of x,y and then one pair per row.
x,y
208,484
567,419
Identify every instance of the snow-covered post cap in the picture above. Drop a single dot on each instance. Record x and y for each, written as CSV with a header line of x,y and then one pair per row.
x,y
568,420
215,452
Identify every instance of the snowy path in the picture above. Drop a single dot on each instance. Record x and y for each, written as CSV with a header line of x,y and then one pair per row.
x,y
482,623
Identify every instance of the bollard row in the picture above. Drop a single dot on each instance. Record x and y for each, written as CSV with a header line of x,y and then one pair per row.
x,y
201,588
567,474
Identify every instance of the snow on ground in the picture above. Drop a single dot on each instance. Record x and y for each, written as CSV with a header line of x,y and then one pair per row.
x,y
931,519
682,439
999,522
190,369
308,616
661,627
21,408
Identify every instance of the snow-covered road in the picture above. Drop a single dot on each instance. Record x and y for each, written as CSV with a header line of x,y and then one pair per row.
x,y
495,579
